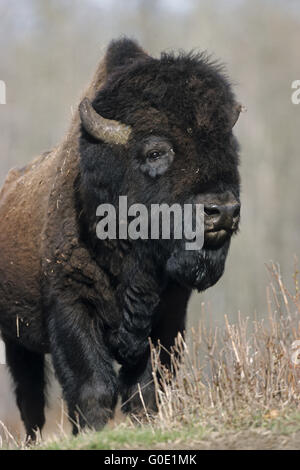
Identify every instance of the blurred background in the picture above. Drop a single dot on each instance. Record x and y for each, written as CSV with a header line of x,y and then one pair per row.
x,y
49,50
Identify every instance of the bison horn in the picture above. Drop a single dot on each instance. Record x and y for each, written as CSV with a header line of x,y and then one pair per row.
x,y
239,108
111,132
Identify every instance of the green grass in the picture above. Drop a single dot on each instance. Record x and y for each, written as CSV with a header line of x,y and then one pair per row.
x,y
124,438
257,432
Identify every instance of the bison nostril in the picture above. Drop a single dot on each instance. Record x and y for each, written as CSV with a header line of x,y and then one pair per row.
x,y
211,210
236,211
222,216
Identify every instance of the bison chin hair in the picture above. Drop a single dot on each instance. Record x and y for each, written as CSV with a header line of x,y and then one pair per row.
x,y
198,269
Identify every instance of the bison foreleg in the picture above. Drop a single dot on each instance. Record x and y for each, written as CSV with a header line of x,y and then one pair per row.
x,y
137,388
137,384
83,365
139,303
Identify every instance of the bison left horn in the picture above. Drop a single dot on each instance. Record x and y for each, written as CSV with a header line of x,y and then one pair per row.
x,y
110,131
239,108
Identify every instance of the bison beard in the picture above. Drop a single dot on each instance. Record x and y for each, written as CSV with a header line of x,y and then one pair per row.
x,y
89,302
201,273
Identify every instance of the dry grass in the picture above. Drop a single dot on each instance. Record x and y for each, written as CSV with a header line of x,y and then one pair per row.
x,y
245,372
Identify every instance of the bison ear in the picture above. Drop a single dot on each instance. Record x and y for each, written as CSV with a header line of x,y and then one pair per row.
x,y
122,51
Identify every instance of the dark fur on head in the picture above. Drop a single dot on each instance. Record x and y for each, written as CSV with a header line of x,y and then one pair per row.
x,y
186,100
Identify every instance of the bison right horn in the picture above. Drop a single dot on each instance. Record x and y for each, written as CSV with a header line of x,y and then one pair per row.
x,y
239,108
108,130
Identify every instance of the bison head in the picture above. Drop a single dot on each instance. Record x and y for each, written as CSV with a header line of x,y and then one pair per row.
x,y
160,131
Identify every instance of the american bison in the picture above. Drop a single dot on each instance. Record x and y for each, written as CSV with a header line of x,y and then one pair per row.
x,y
157,131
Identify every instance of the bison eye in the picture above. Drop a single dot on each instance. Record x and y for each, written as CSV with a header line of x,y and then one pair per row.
x,y
157,155
154,155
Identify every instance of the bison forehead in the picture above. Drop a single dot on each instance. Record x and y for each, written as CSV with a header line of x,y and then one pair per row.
x,y
187,88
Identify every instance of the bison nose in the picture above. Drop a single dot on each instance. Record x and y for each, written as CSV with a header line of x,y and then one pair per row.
x,y
224,216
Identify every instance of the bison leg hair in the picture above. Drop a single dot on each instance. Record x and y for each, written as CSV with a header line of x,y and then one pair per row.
x,y
88,379
140,300
170,320
27,370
